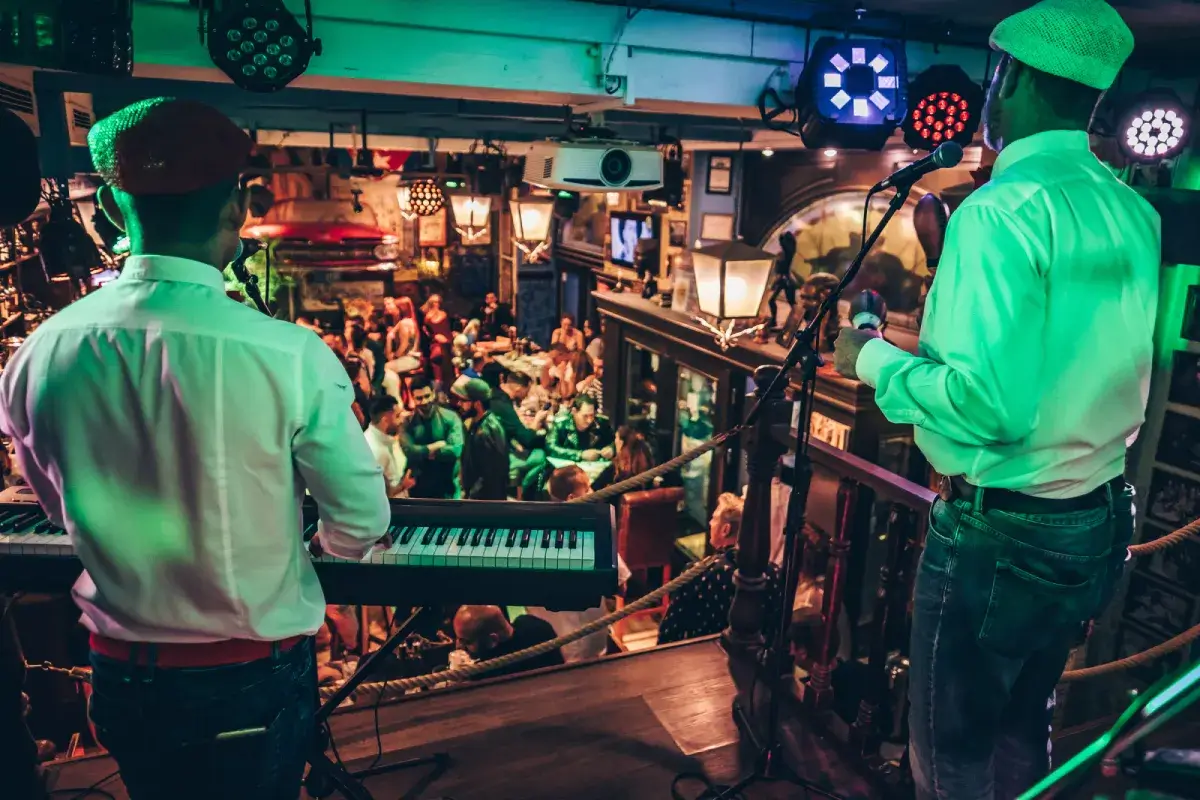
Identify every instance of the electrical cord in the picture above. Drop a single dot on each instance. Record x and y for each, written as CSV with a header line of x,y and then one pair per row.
x,y
94,789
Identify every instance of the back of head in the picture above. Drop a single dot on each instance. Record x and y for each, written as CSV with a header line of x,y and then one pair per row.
x,y
729,511
381,406
518,379
635,456
475,623
568,483
22,175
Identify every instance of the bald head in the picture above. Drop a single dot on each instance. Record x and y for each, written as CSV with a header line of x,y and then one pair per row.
x,y
481,629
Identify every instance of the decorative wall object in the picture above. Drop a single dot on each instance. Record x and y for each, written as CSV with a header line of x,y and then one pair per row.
x,y
1160,606
678,233
1136,639
1179,442
1173,500
716,228
432,229
720,174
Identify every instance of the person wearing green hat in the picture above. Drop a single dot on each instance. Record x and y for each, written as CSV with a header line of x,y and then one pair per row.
x,y
1031,378
485,456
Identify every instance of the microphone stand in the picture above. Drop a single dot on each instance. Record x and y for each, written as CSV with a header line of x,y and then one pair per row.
x,y
250,282
776,659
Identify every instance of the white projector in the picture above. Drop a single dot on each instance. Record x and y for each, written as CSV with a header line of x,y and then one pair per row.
x,y
595,166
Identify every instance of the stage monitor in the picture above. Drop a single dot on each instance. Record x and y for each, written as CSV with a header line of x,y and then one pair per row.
x,y
626,228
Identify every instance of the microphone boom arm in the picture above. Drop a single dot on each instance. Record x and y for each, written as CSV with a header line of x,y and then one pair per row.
x,y
250,284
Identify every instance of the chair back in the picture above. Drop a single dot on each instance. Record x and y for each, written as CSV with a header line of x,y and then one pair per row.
x,y
647,525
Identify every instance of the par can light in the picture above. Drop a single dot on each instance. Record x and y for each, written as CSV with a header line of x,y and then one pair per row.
x,y
259,44
1154,127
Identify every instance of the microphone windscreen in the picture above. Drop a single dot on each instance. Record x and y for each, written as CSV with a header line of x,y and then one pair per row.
x,y
948,155
868,310
22,182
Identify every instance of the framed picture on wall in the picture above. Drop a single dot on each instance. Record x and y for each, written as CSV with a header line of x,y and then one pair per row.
x,y
1185,379
1173,500
678,233
1155,604
1179,442
432,230
1179,564
716,227
1191,315
1135,639
720,175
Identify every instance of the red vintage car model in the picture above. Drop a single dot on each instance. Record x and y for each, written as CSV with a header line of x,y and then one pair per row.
x,y
325,234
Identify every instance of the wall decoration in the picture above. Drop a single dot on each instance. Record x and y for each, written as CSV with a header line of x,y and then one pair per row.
x,y
678,233
1179,564
1185,379
432,229
329,294
1179,442
720,175
1136,639
587,229
1191,315
1155,604
716,227
1172,500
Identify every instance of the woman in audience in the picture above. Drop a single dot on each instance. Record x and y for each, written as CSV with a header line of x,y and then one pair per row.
x,y
361,383
701,608
404,336
356,346
634,457
438,333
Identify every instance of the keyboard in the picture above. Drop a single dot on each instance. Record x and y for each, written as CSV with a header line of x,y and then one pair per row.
x,y
435,551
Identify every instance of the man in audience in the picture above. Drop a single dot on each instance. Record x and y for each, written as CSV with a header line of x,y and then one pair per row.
x,y
484,633
485,457
701,607
583,435
526,445
433,443
336,343
495,318
381,438
568,483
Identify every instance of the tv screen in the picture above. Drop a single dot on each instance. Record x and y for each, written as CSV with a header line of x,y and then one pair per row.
x,y
626,229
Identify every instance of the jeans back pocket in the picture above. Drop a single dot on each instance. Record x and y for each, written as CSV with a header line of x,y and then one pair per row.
x,y
1026,612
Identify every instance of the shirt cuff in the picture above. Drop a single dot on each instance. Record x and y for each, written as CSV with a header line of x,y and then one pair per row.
x,y
875,355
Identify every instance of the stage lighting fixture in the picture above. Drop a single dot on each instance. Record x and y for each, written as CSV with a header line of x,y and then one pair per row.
x,y
1154,127
425,197
852,93
946,107
259,44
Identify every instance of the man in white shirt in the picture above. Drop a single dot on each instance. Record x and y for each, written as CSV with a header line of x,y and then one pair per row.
x,y
180,480
384,414
1032,377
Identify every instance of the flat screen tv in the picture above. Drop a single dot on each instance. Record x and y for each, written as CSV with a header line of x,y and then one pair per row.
x,y
625,229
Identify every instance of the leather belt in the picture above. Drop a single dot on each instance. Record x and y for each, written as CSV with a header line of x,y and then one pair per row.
x,y
182,655
956,488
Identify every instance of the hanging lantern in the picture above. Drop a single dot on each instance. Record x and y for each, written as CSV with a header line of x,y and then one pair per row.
x,y
531,225
404,200
425,197
472,216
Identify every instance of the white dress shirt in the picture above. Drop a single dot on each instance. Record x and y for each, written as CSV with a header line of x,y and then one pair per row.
x,y
390,458
172,432
1037,343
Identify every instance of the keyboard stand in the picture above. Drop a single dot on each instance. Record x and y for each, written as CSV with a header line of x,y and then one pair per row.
x,y
326,776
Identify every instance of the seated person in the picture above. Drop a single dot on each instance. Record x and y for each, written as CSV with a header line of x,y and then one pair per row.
x,y
583,435
701,608
526,444
484,633
495,317
568,335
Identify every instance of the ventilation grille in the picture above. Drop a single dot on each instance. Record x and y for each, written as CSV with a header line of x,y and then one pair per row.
x,y
548,169
15,98
81,119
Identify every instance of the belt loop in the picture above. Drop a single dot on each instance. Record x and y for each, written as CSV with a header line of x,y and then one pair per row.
x,y
977,501
275,651
1108,498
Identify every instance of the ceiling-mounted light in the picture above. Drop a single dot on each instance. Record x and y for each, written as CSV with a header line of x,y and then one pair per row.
x,y
425,197
767,152
531,225
472,216
852,92
830,152
259,44
1155,126
946,107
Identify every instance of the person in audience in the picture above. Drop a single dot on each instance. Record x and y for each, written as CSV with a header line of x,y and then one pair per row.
x,y
568,335
439,335
494,317
404,336
595,343
356,370
336,343
633,457
526,445
583,435
355,336
382,438
433,443
489,369
701,607
485,456
568,483
306,322
484,634
592,386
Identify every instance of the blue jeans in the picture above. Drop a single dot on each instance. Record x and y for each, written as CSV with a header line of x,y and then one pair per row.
x,y
1000,600
239,731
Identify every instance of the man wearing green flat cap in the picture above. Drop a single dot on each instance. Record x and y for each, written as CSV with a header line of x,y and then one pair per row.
x,y
1031,379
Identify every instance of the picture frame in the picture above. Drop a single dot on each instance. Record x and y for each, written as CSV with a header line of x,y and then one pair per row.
x,y
1185,379
1133,639
720,174
1179,565
1172,500
677,233
716,227
1179,442
1157,605
1191,315
431,230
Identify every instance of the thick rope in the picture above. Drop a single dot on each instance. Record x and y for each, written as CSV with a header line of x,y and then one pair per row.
x,y
653,473
1163,542
402,685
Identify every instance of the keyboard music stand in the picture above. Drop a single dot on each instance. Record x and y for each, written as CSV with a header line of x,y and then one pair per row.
x,y
326,776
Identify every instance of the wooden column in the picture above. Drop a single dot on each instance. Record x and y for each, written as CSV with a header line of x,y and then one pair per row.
x,y
765,443
820,688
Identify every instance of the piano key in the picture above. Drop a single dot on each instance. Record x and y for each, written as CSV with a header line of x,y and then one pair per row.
x,y
409,533
558,540
464,536
511,541
443,535
477,538
427,539
525,539
545,539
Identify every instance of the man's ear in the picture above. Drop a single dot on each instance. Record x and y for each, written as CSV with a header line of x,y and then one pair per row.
x,y
236,208
1014,74
108,204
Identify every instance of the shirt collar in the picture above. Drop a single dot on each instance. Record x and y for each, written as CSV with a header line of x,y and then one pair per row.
x,y
1044,142
173,269
379,435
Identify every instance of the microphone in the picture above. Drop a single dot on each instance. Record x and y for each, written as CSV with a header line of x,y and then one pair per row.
x,y
948,154
22,174
868,311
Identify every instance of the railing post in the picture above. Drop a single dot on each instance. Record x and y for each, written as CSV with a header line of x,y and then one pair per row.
x,y
819,693
764,445
891,580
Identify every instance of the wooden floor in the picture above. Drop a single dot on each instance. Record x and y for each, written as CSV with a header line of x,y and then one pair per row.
x,y
621,727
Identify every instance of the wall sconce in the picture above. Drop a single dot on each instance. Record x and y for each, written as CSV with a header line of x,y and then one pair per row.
x,y
472,216
531,225
731,278
404,200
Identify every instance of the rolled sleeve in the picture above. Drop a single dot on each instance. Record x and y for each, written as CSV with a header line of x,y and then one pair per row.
x,y
336,462
875,356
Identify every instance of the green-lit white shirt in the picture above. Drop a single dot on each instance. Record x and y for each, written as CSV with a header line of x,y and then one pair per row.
x,y
1035,355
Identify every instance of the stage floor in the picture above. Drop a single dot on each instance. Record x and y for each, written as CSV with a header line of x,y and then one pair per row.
x,y
620,727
